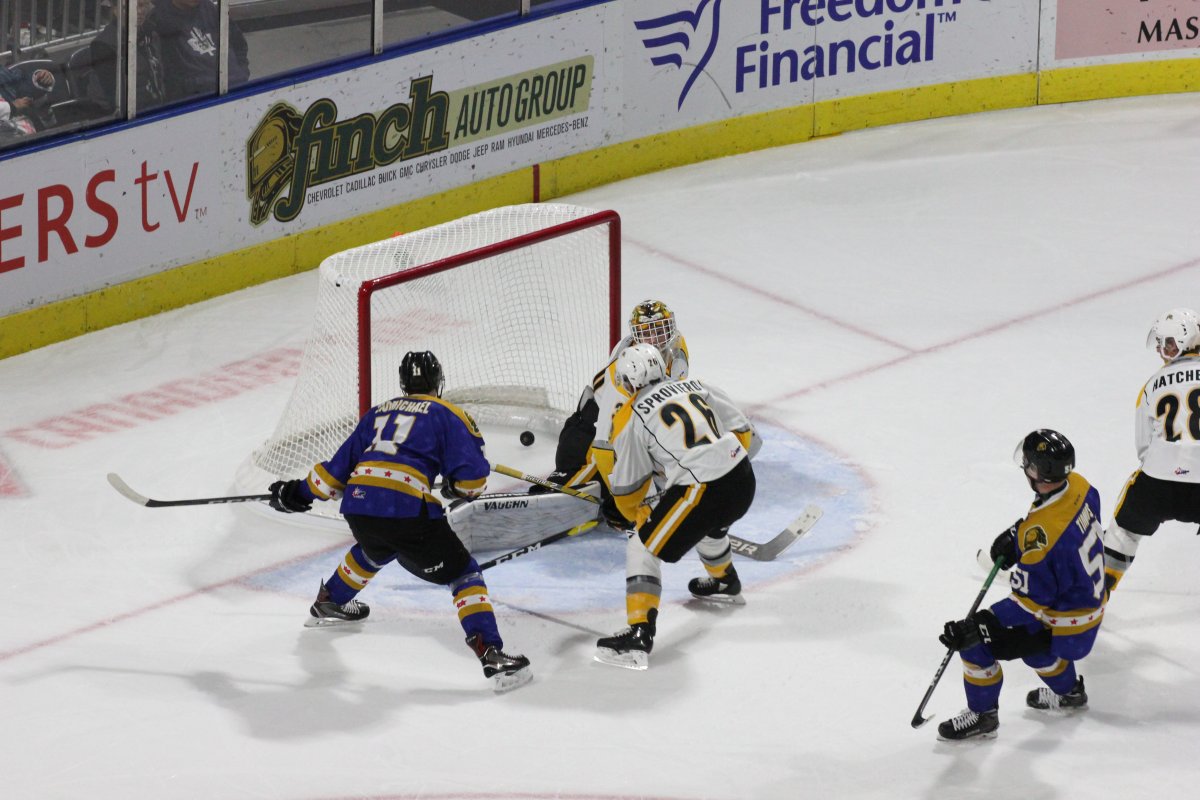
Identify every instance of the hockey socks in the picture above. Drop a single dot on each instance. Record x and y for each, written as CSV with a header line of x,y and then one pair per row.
x,y
474,608
351,576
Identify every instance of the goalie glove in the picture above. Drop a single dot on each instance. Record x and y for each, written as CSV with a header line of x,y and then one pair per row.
x,y
558,478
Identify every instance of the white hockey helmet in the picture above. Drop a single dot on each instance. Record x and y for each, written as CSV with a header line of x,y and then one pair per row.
x,y
1177,330
640,365
653,323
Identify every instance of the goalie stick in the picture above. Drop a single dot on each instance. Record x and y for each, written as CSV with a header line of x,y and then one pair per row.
x,y
767,551
918,720
121,486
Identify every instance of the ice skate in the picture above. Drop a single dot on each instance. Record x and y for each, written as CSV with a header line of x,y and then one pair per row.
x,y
507,672
726,590
1045,699
970,725
324,612
631,647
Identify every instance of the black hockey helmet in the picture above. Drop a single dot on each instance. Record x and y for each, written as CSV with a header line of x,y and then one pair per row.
x,y
421,373
1046,456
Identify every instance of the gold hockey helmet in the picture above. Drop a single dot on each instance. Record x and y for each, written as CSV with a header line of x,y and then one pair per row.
x,y
653,323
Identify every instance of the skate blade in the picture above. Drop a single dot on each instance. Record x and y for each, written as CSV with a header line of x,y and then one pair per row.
x,y
721,599
1061,710
634,659
330,622
507,681
977,737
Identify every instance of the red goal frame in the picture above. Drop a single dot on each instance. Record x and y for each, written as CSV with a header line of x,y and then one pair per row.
x,y
368,288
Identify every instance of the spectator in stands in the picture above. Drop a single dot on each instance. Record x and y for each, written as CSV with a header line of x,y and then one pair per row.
x,y
190,35
151,91
24,98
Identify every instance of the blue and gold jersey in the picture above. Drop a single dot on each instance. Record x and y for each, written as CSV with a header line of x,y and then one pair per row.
x,y
1059,581
387,467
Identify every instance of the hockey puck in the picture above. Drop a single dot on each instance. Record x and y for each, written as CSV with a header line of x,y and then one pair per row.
x,y
527,438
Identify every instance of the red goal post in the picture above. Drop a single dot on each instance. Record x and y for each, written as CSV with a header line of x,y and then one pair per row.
x,y
521,304
610,220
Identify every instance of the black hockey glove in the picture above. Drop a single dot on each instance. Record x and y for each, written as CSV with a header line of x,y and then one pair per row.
x,y
286,497
1004,547
960,634
557,478
613,516
1004,643
451,492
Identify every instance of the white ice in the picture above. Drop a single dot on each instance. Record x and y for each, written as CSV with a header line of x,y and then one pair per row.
x,y
896,307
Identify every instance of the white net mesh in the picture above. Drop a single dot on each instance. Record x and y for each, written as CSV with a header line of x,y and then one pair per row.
x,y
518,334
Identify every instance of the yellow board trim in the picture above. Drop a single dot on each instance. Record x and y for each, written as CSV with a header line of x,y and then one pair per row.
x,y
55,322
1106,81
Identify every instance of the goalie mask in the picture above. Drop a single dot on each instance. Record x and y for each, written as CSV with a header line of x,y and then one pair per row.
x,y
1046,456
640,365
653,323
1174,333
421,373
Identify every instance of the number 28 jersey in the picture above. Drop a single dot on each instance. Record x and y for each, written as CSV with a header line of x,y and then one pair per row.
x,y
1167,426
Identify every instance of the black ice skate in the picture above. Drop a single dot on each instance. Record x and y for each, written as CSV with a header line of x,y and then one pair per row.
x,y
325,612
1046,700
970,725
726,590
631,647
507,672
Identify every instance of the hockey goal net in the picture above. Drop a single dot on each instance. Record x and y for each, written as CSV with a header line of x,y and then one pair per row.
x,y
520,305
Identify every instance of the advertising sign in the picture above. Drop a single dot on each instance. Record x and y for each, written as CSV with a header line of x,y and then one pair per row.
x,y
1087,28
693,61
141,200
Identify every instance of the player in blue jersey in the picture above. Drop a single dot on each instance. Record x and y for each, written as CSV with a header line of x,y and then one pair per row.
x,y
1051,619
384,475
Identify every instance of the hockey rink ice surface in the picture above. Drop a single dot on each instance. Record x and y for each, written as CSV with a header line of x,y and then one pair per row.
x,y
895,307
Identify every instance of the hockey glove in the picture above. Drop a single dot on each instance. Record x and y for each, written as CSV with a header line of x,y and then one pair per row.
x,y
1004,548
286,496
613,516
1005,644
557,478
451,492
960,634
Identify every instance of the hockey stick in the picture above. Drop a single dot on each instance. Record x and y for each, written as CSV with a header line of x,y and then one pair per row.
x,y
122,487
918,720
985,562
768,551
538,545
522,476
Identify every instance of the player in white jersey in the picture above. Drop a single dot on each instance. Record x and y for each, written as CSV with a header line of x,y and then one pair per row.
x,y
696,442
1167,435
584,453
